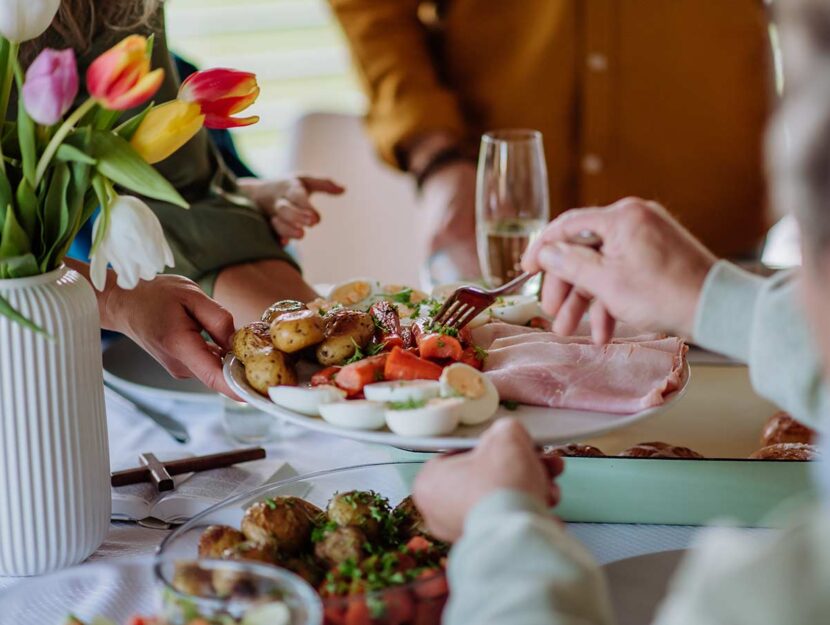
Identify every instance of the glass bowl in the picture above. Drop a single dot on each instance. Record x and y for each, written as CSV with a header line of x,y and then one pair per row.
x,y
121,589
421,601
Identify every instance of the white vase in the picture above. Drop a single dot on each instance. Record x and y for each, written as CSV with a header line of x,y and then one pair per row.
x,y
55,498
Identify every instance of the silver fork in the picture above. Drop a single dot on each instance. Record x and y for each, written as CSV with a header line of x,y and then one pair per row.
x,y
467,302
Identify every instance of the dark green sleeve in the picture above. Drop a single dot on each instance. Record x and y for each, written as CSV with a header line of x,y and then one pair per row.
x,y
222,228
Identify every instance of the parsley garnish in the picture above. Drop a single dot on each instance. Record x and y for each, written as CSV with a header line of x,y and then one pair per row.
x,y
403,297
409,404
358,353
271,503
510,404
480,353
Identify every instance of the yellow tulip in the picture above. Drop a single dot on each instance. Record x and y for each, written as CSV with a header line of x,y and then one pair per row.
x,y
166,128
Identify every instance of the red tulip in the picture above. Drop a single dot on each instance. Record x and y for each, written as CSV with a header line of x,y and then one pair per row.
x,y
221,93
120,78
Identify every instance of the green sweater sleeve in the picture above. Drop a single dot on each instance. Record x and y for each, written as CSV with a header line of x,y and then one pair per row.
x,y
760,322
515,564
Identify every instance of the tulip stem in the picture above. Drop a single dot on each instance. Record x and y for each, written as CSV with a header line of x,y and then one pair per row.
x,y
5,91
65,128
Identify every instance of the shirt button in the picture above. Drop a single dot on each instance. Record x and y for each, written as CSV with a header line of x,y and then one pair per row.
x,y
592,164
597,62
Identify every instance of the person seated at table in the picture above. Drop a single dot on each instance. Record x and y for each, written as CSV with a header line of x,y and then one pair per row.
x,y
231,239
514,563
659,99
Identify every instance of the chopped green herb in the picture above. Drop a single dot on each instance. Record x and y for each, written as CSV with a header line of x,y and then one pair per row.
x,y
510,404
409,404
271,503
377,607
480,353
358,353
403,297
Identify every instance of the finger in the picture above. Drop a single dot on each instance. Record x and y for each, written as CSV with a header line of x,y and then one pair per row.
x,y
212,317
578,265
602,324
285,229
554,465
571,313
554,292
321,185
295,214
206,366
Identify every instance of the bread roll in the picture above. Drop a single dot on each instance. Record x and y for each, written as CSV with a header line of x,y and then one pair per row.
x,y
659,450
782,428
787,451
574,450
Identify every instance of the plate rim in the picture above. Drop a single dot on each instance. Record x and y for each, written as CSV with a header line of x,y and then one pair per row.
x,y
433,443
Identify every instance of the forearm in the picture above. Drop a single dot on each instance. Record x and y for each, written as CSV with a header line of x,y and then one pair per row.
x,y
760,322
514,564
407,100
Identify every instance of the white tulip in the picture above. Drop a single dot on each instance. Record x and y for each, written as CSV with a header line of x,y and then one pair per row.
x,y
134,245
22,20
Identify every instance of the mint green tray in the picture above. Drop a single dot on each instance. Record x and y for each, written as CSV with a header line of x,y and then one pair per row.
x,y
682,492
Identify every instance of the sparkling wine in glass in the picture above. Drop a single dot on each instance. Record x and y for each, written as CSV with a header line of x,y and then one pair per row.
x,y
512,203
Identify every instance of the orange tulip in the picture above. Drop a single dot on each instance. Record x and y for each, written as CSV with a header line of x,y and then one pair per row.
x,y
221,93
120,78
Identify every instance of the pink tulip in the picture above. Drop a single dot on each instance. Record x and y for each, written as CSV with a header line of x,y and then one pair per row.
x,y
51,86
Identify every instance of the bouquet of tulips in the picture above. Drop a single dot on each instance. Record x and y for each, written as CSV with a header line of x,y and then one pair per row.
x,y
60,160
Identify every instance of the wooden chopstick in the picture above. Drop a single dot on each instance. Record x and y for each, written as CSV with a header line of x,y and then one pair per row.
x,y
189,465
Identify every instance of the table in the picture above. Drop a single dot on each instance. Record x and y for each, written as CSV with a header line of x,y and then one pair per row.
x,y
131,433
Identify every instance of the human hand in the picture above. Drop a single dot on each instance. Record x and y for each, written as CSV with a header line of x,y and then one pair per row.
x,y
166,316
649,272
450,486
448,201
288,202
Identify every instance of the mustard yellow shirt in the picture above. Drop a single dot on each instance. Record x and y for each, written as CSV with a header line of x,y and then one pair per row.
x,y
664,99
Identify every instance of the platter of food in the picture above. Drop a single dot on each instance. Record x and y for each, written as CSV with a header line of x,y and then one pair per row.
x,y
353,534
367,363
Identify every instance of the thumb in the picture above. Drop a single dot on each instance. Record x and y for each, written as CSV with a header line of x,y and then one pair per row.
x,y
576,264
321,185
217,321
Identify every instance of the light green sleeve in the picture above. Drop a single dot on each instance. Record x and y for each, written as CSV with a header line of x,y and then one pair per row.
x,y
515,564
749,579
760,322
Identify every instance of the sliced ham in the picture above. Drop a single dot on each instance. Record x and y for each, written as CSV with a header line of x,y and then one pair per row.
x,y
545,369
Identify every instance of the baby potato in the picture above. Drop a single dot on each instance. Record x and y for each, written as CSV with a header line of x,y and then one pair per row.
x,y
216,539
278,308
269,369
364,510
294,331
409,519
281,521
191,579
344,330
341,544
252,551
250,340
227,583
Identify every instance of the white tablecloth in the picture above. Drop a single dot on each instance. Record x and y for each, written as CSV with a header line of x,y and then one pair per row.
x,y
131,433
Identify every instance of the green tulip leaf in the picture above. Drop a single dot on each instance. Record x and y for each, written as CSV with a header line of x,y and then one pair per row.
x,y
128,128
26,138
78,193
13,240
120,163
27,207
55,214
6,198
69,153
20,266
8,311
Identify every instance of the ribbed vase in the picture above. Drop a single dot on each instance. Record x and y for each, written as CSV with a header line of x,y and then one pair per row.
x,y
55,496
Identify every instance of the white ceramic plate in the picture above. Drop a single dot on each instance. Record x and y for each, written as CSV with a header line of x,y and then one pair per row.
x,y
546,425
133,371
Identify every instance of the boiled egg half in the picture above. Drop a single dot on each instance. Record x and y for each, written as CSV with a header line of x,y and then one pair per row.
x,y
435,417
355,414
481,399
305,399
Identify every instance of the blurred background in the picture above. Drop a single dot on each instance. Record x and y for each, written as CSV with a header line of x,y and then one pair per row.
x,y
310,109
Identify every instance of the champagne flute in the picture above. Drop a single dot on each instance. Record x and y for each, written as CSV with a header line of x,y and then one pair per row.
x,y
512,202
